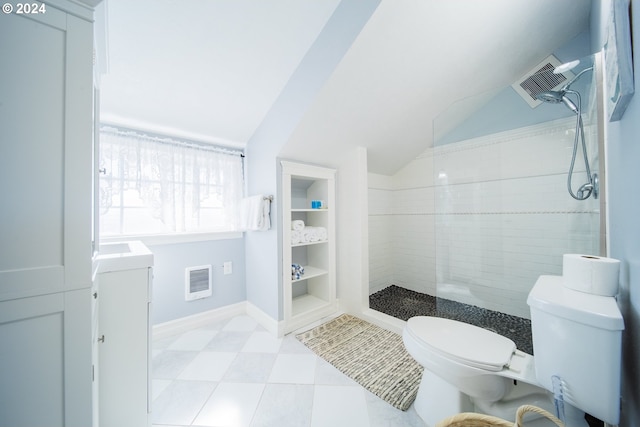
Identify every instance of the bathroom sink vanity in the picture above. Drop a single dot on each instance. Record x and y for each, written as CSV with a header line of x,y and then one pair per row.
x,y
121,332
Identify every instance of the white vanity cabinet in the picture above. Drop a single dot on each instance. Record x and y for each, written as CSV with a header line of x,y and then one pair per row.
x,y
312,295
123,337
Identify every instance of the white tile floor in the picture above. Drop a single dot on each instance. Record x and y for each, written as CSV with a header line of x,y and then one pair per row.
x,y
235,373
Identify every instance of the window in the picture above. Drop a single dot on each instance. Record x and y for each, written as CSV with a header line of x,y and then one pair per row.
x,y
153,185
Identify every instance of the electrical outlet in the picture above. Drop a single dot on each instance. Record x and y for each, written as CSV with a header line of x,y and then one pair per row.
x,y
228,267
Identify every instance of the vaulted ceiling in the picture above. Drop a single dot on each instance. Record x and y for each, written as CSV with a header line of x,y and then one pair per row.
x,y
205,69
211,69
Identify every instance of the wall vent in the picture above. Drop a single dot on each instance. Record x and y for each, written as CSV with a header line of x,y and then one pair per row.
x,y
541,79
197,282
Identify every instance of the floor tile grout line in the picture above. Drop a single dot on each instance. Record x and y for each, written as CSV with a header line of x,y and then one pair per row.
x,y
203,405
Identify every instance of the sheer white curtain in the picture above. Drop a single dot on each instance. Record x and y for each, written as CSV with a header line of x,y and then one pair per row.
x,y
160,185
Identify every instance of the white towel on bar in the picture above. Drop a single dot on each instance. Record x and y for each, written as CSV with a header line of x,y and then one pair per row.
x,y
254,213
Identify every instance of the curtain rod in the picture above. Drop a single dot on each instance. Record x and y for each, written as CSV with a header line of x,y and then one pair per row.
x,y
123,131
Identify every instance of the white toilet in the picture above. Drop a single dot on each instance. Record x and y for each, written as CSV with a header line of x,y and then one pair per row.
x,y
576,339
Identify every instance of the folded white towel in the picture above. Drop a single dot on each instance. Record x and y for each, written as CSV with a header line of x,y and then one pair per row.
x,y
254,213
297,225
296,237
322,233
308,235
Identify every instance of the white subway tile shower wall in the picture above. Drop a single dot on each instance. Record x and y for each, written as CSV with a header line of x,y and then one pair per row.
x,y
414,252
483,218
380,258
380,234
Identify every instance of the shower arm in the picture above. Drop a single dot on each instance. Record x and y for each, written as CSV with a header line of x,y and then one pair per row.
x,y
577,76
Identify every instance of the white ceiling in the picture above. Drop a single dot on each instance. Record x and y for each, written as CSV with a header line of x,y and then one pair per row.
x,y
211,69
205,69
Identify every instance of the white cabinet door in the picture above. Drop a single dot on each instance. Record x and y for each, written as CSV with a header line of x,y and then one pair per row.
x,y
46,91
32,351
123,324
45,371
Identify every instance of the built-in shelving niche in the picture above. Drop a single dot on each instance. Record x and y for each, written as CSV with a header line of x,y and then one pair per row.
x,y
313,295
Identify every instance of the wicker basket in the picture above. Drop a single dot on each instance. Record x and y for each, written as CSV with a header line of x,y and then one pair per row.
x,y
471,419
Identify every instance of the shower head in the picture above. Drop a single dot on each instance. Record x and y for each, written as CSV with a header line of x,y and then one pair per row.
x,y
556,97
550,96
560,96
563,68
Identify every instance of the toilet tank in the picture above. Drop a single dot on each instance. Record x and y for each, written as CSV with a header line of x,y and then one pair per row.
x,y
578,337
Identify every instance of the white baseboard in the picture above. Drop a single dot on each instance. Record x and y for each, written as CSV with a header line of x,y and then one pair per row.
x,y
184,324
383,320
267,322
178,326
275,327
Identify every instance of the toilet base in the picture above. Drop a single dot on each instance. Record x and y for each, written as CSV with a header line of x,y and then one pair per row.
x,y
527,394
437,399
520,393
573,417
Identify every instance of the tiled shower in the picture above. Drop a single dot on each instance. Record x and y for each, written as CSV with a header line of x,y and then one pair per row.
x,y
477,221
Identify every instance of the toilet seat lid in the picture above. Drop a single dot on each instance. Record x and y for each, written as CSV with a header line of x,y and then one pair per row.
x,y
462,342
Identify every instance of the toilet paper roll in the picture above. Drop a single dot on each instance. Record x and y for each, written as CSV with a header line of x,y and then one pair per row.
x,y
591,274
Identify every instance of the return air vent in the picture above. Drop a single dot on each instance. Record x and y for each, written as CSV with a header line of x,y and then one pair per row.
x,y
197,282
541,79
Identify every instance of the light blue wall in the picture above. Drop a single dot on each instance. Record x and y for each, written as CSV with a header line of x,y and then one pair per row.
x,y
263,249
170,262
624,218
257,279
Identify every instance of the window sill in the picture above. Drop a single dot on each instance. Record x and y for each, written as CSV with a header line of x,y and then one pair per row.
x,y
170,239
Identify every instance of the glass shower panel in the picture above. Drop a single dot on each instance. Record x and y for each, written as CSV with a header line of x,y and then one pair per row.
x,y
502,212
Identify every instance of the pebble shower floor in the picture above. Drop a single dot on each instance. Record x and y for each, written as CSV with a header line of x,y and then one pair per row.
x,y
404,304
